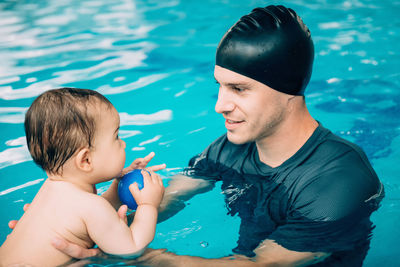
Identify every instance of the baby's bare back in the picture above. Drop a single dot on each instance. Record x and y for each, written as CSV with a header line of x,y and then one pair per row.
x,y
56,211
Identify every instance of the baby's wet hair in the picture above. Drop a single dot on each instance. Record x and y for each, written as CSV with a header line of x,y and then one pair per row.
x,y
60,122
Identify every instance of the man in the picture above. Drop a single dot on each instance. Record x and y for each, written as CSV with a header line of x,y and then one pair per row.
x,y
303,194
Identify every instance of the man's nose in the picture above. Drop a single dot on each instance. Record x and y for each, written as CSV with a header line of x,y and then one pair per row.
x,y
225,102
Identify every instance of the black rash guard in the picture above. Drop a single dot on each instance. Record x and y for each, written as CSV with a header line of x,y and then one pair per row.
x,y
319,200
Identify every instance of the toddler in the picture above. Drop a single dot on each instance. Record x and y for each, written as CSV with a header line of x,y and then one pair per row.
x,y
72,134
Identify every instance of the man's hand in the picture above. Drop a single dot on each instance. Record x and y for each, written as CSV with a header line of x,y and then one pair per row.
x,y
74,250
13,223
164,258
79,252
156,257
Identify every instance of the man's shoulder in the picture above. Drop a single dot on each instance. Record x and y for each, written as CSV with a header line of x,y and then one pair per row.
x,y
340,142
335,180
339,165
337,149
326,152
336,161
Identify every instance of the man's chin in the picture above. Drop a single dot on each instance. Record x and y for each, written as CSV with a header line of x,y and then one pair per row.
x,y
236,139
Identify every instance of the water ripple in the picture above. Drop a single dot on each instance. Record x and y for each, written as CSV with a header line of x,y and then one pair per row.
x,y
48,45
12,114
14,155
145,119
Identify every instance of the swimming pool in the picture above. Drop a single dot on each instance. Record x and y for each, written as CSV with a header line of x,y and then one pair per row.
x,y
154,61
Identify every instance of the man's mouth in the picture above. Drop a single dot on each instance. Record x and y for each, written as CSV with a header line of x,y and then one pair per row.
x,y
232,124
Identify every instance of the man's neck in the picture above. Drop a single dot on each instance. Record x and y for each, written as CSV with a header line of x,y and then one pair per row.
x,y
289,137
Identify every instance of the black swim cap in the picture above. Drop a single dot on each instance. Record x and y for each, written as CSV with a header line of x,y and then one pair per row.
x,y
270,45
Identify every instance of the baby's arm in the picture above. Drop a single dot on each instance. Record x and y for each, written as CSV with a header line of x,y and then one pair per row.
x,y
148,201
111,195
111,233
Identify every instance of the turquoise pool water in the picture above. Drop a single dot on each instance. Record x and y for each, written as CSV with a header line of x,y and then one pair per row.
x,y
154,61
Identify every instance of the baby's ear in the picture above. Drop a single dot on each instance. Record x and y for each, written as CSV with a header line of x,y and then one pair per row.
x,y
83,160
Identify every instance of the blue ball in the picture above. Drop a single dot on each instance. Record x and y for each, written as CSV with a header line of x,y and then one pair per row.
x,y
123,187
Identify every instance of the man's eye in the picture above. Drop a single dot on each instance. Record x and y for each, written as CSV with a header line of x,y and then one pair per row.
x,y
238,89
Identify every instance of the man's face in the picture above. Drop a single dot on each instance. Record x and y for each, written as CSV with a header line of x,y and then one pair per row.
x,y
252,110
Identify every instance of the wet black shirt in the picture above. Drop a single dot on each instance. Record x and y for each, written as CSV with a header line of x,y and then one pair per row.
x,y
319,200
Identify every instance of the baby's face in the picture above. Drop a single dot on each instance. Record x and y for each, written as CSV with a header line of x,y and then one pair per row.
x,y
109,150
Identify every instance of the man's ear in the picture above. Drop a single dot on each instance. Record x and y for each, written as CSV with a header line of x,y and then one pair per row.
x,y
83,160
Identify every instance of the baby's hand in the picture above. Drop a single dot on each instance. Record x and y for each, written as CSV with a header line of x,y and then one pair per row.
x,y
141,163
152,191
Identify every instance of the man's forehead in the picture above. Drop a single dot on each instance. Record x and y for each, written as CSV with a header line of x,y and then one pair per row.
x,y
226,76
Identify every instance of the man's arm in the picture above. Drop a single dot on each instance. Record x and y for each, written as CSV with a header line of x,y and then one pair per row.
x,y
268,253
180,189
